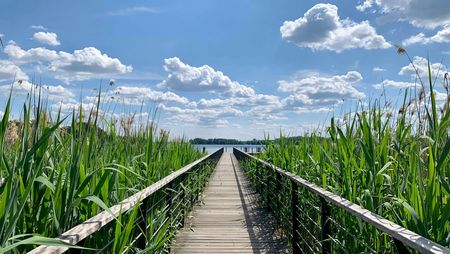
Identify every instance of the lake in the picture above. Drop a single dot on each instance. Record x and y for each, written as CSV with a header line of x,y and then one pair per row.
x,y
229,148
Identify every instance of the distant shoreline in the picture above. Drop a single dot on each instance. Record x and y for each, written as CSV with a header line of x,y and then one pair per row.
x,y
224,141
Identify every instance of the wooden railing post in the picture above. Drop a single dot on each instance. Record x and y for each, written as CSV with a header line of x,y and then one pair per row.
x,y
401,247
169,192
268,186
260,181
183,199
294,219
326,226
142,241
169,197
278,196
192,187
198,183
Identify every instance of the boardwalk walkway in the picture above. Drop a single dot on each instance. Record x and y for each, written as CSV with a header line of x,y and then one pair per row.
x,y
230,220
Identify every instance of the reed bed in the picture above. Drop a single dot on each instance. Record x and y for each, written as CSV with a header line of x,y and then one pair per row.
x,y
56,173
394,164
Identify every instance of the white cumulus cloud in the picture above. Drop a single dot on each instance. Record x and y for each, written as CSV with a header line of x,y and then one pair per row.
x,y
209,112
378,69
10,71
82,64
316,90
47,38
442,36
365,5
21,56
420,66
51,92
321,28
183,77
212,117
133,95
259,106
394,84
267,112
420,13
133,10
39,27
257,99
69,107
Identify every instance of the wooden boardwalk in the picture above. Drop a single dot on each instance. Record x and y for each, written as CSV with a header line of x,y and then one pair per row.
x,y
230,219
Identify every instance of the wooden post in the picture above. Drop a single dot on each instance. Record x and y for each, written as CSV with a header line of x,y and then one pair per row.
x,y
183,199
401,247
295,222
198,183
278,196
268,173
259,180
326,226
169,193
192,187
142,241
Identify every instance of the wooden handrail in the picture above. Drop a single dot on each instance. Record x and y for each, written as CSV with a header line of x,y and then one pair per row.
x,y
407,237
85,229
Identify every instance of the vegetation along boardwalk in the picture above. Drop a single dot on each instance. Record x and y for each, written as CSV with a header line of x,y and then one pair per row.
x,y
230,219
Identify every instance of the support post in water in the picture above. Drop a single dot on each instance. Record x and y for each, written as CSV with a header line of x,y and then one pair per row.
x,y
326,226
295,223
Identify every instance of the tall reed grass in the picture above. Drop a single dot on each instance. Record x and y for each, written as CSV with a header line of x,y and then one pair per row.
x,y
396,165
56,173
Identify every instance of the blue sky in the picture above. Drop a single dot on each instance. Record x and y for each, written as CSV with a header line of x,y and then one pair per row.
x,y
234,69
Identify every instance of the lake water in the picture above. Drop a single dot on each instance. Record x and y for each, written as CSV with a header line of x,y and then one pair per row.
x,y
229,148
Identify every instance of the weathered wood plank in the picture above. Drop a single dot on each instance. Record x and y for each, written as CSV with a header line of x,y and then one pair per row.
x,y
230,221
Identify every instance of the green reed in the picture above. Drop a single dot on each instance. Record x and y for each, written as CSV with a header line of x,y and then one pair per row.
x,y
57,173
396,165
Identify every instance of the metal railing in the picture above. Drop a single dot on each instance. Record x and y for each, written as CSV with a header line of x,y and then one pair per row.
x,y
163,207
318,221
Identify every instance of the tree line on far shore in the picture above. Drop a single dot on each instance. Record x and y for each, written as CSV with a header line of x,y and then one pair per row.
x,y
226,141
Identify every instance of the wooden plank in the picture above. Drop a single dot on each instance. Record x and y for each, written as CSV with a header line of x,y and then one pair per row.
x,y
85,229
409,238
229,221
